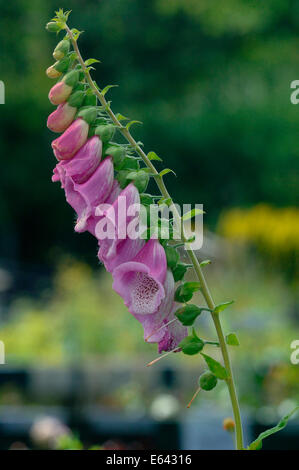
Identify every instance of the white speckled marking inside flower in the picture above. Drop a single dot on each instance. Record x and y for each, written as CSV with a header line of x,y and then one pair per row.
x,y
144,293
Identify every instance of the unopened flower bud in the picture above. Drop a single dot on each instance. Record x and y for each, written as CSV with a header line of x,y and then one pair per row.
x,y
117,153
72,78
62,65
105,131
62,90
207,381
141,181
228,424
53,27
89,114
76,99
61,49
52,72
61,118
90,100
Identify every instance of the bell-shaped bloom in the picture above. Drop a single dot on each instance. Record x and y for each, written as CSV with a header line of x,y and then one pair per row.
x,y
85,197
126,250
174,332
162,326
140,281
153,323
82,165
95,217
61,118
60,92
117,220
71,140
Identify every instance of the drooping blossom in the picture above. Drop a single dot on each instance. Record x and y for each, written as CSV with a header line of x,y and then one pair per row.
x,y
71,140
140,281
118,246
61,118
82,165
174,332
94,218
85,197
161,327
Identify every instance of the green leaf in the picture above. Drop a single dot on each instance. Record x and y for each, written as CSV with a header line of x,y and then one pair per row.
x,y
146,199
76,33
107,88
257,444
131,124
154,156
165,171
191,345
185,291
232,340
166,201
120,117
215,367
205,263
220,307
192,213
172,256
188,314
92,61
179,271
191,239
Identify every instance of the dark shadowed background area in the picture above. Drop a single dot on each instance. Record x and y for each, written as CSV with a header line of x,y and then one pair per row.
x,y
211,83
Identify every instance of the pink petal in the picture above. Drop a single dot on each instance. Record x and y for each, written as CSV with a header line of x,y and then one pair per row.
x,y
61,118
85,197
71,140
82,165
140,282
59,93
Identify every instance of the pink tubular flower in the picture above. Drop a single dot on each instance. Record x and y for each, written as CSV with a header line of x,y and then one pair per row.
x,y
174,333
60,92
140,281
85,197
117,218
61,118
126,250
71,140
82,165
162,327
95,218
152,323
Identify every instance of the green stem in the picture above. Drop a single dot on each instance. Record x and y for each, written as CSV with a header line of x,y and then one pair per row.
x,y
204,287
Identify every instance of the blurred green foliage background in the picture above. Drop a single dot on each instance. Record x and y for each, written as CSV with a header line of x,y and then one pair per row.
x,y
211,83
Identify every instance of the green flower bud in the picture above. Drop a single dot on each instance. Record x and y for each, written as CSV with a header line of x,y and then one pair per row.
x,y
71,79
81,73
62,65
61,49
141,181
89,114
105,132
80,86
53,27
90,100
76,99
117,153
207,381
52,72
